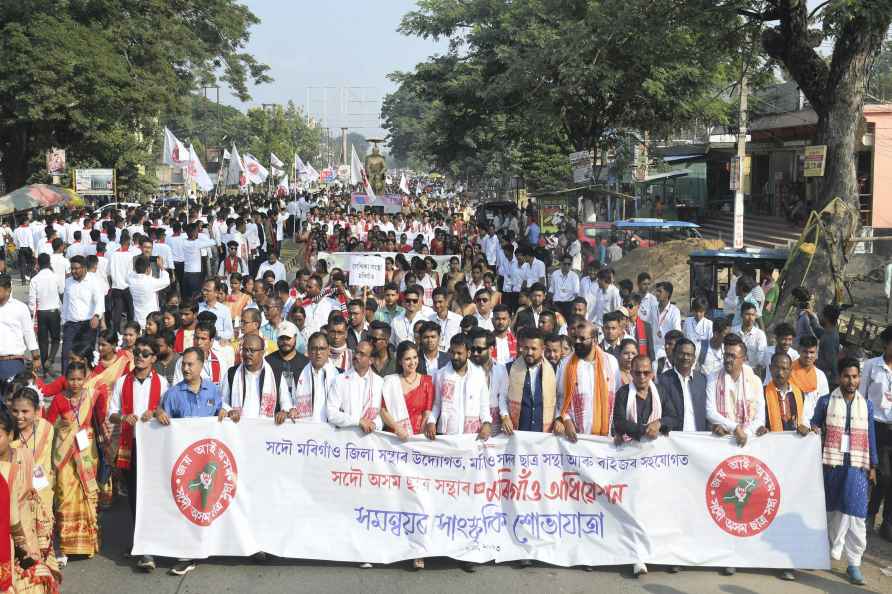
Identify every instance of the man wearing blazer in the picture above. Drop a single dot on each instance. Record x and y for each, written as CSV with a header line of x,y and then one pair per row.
x,y
683,409
430,351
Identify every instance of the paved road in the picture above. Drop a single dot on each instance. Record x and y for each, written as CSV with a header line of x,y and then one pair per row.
x,y
111,573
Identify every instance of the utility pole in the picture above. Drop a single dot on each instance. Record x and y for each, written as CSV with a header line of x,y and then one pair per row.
x,y
343,144
737,184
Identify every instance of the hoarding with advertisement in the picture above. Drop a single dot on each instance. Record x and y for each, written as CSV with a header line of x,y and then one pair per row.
x,y
94,182
553,214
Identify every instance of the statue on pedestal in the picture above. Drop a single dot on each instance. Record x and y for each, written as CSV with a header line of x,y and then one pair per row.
x,y
376,168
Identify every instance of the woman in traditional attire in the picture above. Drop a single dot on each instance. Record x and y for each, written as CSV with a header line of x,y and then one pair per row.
x,y
408,397
79,425
27,563
628,350
35,434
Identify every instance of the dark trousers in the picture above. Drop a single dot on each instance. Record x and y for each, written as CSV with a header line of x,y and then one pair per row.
x,y
76,335
882,491
289,226
121,306
130,479
49,330
25,263
191,286
178,272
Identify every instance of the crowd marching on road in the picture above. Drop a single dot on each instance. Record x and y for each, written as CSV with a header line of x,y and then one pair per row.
x,y
151,314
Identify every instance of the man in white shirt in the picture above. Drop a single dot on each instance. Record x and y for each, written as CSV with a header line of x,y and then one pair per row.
x,y
505,347
667,317
82,308
319,307
481,345
507,270
44,302
483,301
735,403
60,264
648,310
192,260
120,265
355,397
135,398
210,292
249,390
753,336
530,270
144,289
564,286
23,238
232,262
404,324
461,397
448,321
309,396
175,241
784,335
603,298
17,330
272,263
491,246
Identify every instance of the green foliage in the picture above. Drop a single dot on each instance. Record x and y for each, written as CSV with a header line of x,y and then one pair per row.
x,y
879,85
541,78
95,77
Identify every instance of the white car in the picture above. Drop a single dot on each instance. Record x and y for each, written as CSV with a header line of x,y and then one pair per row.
x,y
120,206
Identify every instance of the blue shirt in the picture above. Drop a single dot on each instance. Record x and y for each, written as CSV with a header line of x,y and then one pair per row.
x,y
180,402
533,233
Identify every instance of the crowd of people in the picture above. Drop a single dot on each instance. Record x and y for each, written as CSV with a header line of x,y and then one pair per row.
x,y
164,313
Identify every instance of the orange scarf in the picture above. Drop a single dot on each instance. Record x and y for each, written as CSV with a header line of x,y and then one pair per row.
x,y
601,413
804,379
773,408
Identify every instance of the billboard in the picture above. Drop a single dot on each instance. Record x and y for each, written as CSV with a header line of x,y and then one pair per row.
x,y
553,213
94,182
391,203
55,161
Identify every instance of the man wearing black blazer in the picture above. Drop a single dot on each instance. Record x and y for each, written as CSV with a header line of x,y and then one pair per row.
x,y
672,393
430,342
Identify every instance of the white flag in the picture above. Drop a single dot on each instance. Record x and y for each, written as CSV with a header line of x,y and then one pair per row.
x,y
275,161
404,184
197,172
275,171
312,174
175,152
282,188
358,174
235,173
226,154
254,171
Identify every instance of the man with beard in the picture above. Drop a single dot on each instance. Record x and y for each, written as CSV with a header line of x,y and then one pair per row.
x,y
554,349
505,348
357,324
531,398
529,317
287,362
317,307
849,455
251,390
586,385
382,359
496,374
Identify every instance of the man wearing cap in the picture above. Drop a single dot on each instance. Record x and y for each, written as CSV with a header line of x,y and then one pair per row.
x,y
287,360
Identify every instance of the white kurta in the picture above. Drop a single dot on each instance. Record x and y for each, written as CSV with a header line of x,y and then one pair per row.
x,y
354,397
747,386
585,386
461,402
311,390
254,400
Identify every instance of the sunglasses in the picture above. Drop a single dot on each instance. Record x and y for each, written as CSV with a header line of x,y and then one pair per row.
x,y
482,300
477,349
145,354
411,300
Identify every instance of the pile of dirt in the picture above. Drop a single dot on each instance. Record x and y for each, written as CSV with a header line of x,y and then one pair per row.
x,y
666,262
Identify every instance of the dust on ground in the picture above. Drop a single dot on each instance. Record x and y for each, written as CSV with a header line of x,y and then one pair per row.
x,y
666,262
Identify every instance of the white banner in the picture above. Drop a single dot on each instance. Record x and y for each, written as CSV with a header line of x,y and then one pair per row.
x,y
342,259
367,271
311,491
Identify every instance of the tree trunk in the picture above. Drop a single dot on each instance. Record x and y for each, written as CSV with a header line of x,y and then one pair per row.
x,y
14,164
839,121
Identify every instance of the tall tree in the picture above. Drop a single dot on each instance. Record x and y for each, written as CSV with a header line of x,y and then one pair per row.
x,y
835,87
85,75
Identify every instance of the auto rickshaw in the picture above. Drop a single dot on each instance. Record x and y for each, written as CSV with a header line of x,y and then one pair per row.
x,y
710,272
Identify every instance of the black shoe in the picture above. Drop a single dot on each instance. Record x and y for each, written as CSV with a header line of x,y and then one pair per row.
x,y
674,569
146,563
260,557
183,567
524,563
788,576
468,566
729,571
886,530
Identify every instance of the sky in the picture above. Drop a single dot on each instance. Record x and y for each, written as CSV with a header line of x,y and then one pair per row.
x,y
349,46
